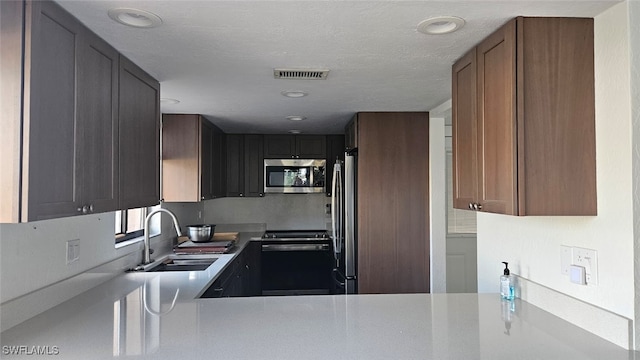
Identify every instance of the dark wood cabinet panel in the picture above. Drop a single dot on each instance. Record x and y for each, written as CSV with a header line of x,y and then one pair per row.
x,y
496,113
206,153
54,169
253,165
235,165
139,114
556,113
295,146
351,134
393,202
279,146
252,285
80,108
310,146
335,151
98,114
218,164
464,119
71,119
535,93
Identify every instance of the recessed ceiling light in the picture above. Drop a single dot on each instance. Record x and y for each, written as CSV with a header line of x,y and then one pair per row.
x,y
295,131
294,93
169,101
440,25
296,118
135,17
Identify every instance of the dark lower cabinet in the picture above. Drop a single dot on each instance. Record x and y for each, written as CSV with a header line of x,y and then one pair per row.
x,y
241,277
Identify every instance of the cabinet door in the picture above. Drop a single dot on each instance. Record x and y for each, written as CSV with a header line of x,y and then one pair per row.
x,y
351,134
335,151
253,165
235,165
219,167
279,146
52,127
251,277
139,115
311,147
496,122
206,160
97,113
464,119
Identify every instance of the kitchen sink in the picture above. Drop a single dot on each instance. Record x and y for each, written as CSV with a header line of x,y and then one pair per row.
x,y
175,263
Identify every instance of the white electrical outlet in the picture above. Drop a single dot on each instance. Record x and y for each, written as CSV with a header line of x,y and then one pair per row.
x,y
588,259
565,259
73,251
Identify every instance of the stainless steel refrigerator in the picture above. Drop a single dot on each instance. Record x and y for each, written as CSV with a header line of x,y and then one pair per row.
x,y
343,219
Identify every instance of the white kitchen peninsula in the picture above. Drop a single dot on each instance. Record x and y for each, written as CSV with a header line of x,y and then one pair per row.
x,y
157,316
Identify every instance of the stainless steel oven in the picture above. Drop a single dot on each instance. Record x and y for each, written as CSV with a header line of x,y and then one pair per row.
x,y
294,176
296,263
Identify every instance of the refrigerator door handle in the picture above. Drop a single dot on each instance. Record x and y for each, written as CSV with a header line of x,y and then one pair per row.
x,y
335,198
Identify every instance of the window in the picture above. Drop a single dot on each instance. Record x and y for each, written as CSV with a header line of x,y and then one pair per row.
x,y
458,221
130,224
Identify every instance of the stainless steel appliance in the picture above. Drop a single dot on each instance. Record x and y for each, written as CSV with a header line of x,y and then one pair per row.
x,y
296,263
294,175
343,216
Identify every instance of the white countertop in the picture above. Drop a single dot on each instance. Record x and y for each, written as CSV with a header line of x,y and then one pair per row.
x,y
156,315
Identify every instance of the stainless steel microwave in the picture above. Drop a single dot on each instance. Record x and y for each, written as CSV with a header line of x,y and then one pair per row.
x,y
294,175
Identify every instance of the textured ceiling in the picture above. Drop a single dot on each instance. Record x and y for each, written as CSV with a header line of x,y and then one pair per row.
x,y
217,57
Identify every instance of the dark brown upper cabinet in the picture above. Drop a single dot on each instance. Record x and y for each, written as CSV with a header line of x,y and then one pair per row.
x,y
245,167
523,111
139,114
68,113
193,152
295,146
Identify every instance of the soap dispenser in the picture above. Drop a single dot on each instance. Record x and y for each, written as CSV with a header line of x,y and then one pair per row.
x,y
507,290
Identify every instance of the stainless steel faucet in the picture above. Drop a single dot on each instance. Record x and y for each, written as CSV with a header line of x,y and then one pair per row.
x,y
147,246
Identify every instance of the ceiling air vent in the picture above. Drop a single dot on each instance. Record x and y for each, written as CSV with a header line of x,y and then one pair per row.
x,y
300,74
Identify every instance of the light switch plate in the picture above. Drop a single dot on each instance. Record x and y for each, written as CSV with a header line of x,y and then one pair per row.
x,y
73,251
577,275
588,259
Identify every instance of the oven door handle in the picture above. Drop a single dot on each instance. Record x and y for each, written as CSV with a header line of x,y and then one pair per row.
x,y
294,247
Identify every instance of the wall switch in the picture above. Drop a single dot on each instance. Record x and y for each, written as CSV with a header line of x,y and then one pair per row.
x,y
565,259
588,259
73,251
577,275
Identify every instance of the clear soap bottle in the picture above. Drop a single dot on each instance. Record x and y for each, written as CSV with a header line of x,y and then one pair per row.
x,y
507,289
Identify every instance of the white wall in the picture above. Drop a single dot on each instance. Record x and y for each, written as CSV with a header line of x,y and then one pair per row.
x,y
634,40
532,244
34,274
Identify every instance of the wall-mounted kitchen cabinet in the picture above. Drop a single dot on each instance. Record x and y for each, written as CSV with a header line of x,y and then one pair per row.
x,y
335,151
295,146
139,114
61,128
524,120
193,153
245,168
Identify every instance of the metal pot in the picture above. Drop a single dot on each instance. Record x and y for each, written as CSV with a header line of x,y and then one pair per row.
x,y
201,233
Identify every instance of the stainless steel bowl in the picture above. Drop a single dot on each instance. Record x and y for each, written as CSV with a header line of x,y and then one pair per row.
x,y
201,233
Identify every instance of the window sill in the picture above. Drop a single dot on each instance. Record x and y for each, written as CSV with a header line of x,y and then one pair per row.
x,y
134,241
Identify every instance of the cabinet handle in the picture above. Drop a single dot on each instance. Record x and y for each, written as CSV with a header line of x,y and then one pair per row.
x,y
470,206
479,207
241,194
202,198
261,194
79,209
91,207
246,266
293,156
